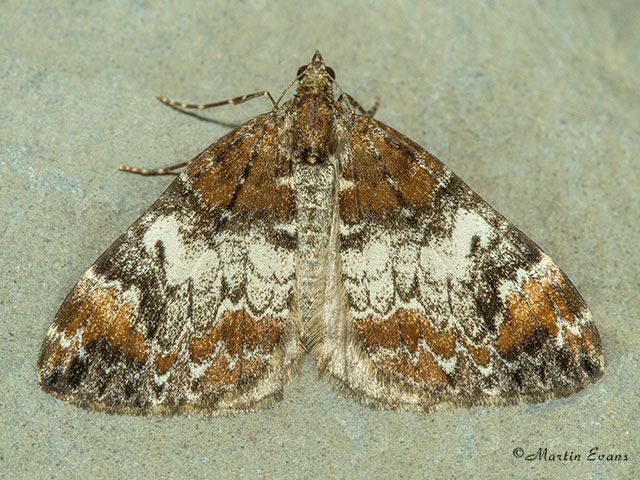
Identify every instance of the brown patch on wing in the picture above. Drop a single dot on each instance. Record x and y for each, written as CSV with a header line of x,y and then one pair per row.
x,y
217,177
348,203
260,189
53,354
431,162
442,343
387,172
247,170
480,355
372,188
414,182
165,362
240,347
566,301
519,326
396,347
541,306
100,314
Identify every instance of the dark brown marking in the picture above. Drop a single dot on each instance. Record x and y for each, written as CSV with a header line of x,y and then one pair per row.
x,y
372,189
218,183
348,204
516,328
260,190
413,181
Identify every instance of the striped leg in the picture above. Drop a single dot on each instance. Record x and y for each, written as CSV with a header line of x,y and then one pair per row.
x,y
176,104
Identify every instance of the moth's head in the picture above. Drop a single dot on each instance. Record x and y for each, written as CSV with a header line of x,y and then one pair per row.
x,y
315,72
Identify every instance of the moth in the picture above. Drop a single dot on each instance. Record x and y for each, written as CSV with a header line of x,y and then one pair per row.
x,y
314,228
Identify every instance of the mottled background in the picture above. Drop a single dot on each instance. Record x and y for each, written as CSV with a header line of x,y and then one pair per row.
x,y
535,104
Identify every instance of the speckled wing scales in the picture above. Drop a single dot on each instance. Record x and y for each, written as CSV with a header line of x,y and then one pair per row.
x,y
195,306
433,297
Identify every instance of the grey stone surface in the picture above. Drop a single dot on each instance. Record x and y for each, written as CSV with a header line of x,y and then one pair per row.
x,y
535,104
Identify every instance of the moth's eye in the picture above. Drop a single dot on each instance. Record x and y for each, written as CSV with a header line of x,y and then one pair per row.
x,y
331,73
300,70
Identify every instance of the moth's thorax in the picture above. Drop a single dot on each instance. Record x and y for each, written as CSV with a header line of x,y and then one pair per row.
x,y
314,126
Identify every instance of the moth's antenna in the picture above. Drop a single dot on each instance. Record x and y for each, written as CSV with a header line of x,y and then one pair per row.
x,y
298,77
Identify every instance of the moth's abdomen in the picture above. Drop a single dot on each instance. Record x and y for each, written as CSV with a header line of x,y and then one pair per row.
x,y
314,185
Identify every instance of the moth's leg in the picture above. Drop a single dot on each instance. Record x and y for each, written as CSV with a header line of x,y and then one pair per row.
x,y
356,105
230,101
160,171
176,104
